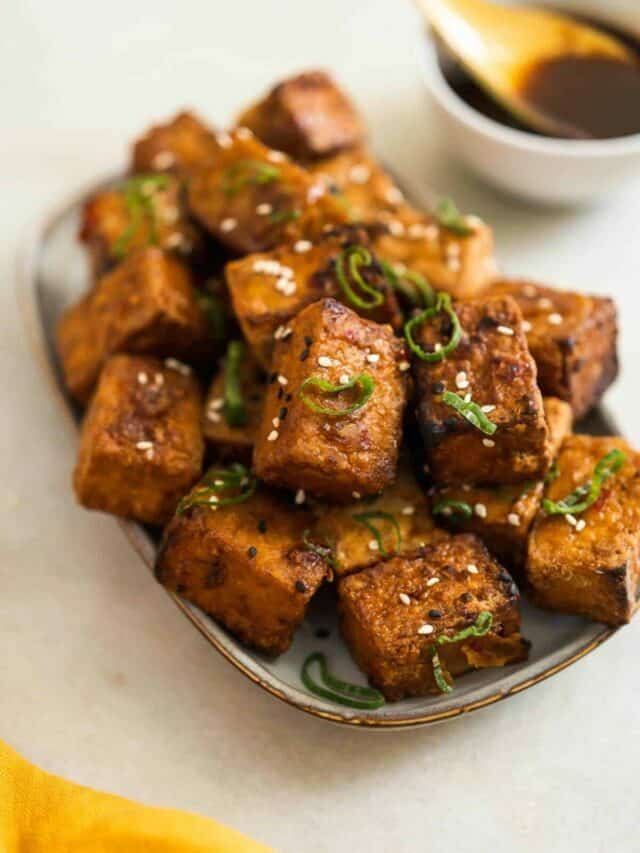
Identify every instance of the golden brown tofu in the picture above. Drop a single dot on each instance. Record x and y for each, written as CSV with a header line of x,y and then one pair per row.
x,y
306,116
587,562
177,146
252,199
141,444
269,289
491,368
573,339
395,615
233,433
333,442
360,534
144,210
502,516
146,305
245,564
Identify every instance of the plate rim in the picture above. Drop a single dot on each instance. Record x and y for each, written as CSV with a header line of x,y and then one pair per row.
x,y
26,289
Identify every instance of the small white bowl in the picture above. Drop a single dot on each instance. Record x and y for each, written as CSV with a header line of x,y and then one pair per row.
x,y
550,171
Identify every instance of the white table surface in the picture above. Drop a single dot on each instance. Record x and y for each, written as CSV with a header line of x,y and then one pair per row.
x,y
101,678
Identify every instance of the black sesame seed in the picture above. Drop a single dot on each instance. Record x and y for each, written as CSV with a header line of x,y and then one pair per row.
x,y
282,414
251,552
322,633
262,526
435,614
304,355
288,398
280,392
301,586
308,340
438,388
272,378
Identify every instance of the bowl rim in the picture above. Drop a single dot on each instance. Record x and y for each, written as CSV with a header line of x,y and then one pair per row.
x,y
528,143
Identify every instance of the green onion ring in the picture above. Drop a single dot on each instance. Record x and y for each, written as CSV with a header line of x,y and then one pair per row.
x,y
443,305
353,258
218,480
139,205
365,382
449,217
323,551
234,409
364,518
470,411
246,172
464,509
574,504
480,627
336,690
421,295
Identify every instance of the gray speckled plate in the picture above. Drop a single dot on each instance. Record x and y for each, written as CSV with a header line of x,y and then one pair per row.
x,y
52,274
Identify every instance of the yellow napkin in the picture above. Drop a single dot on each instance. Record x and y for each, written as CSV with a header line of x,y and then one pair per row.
x,y
40,813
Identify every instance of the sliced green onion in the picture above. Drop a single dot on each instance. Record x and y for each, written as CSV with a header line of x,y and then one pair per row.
x,y
324,551
234,409
213,308
438,672
246,172
480,627
348,265
450,506
365,382
138,197
279,217
586,495
216,483
552,474
365,519
337,690
470,411
413,286
449,217
443,305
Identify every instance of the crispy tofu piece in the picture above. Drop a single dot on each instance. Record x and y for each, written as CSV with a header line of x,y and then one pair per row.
x,y
144,210
307,116
333,455
141,444
269,289
392,640
234,441
245,564
493,364
179,145
591,569
252,199
353,546
502,516
573,339
146,305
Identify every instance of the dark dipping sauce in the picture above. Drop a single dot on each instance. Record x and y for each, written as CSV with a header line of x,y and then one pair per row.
x,y
594,97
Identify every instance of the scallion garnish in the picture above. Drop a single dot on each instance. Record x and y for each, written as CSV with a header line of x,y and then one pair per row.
x,y
411,285
450,506
248,172
552,474
365,518
449,217
279,217
216,483
470,411
363,381
443,305
480,627
213,309
586,495
234,409
348,265
337,690
139,194
324,551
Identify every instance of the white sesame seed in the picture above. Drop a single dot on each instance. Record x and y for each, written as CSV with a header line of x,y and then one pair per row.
x,y
282,379
149,454
224,140
301,246
472,569
264,209
228,224
426,629
344,379
373,358
315,192
433,581
275,422
408,510
461,380
571,519
514,519
273,435
505,330
360,173
144,445
178,366
163,160
143,378
467,397
396,228
282,333
431,232
473,221
530,291
285,286
581,525
438,346
404,598
276,156
214,417
356,496
325,361
554,319
488,442
488,408
480,510
545,303
453,264
417,231
394,196
373,545
174,240
300,496
244,133
526,326
404,366
213,499
158,379
453,250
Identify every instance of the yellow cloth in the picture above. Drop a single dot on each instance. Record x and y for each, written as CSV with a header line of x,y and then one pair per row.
x,y
40,813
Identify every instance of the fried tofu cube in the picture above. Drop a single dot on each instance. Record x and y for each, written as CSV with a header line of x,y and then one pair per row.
x,y
269,289
146,305
233,436
502,516
573,339
340,442
307,116
252,199
400,515
144,210
394,615
177,146
244,564
587,563
492,364
141,445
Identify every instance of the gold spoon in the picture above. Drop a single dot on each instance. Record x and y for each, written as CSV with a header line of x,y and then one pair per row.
x,y
500,45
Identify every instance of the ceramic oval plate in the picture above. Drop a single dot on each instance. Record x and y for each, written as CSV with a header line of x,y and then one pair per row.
x,y
53,274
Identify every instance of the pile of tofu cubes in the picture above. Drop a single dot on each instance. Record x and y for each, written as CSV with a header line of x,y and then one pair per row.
x,y
419,518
